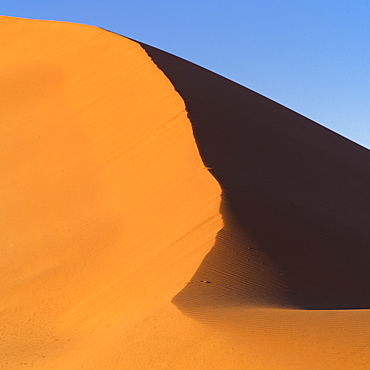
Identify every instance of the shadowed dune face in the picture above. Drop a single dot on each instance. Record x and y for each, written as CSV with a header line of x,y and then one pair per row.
x,y
300,191
235,273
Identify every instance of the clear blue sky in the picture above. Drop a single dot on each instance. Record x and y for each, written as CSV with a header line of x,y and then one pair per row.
x,y
312,56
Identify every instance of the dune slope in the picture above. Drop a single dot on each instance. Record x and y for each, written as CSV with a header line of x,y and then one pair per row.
x,y
107,209
118,250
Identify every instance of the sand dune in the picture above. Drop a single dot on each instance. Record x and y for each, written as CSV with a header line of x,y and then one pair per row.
x,y
158,216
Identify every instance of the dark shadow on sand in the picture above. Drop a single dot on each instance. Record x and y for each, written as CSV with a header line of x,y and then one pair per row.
x,y
235,273
298,190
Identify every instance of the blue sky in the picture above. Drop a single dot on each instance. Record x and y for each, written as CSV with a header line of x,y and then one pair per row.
x,y
311,56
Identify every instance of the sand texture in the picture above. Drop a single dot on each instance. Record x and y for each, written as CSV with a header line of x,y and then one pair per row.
x,y
158,216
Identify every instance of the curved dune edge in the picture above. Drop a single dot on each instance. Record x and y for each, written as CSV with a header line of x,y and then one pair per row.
x,y
106,220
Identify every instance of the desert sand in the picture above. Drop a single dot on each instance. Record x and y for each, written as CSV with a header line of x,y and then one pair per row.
x,y
156,215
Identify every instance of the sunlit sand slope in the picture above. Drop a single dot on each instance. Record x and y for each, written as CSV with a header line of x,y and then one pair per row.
x,y
117,250
107,209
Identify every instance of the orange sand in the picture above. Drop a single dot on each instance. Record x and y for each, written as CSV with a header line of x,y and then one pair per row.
x,y
109,213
